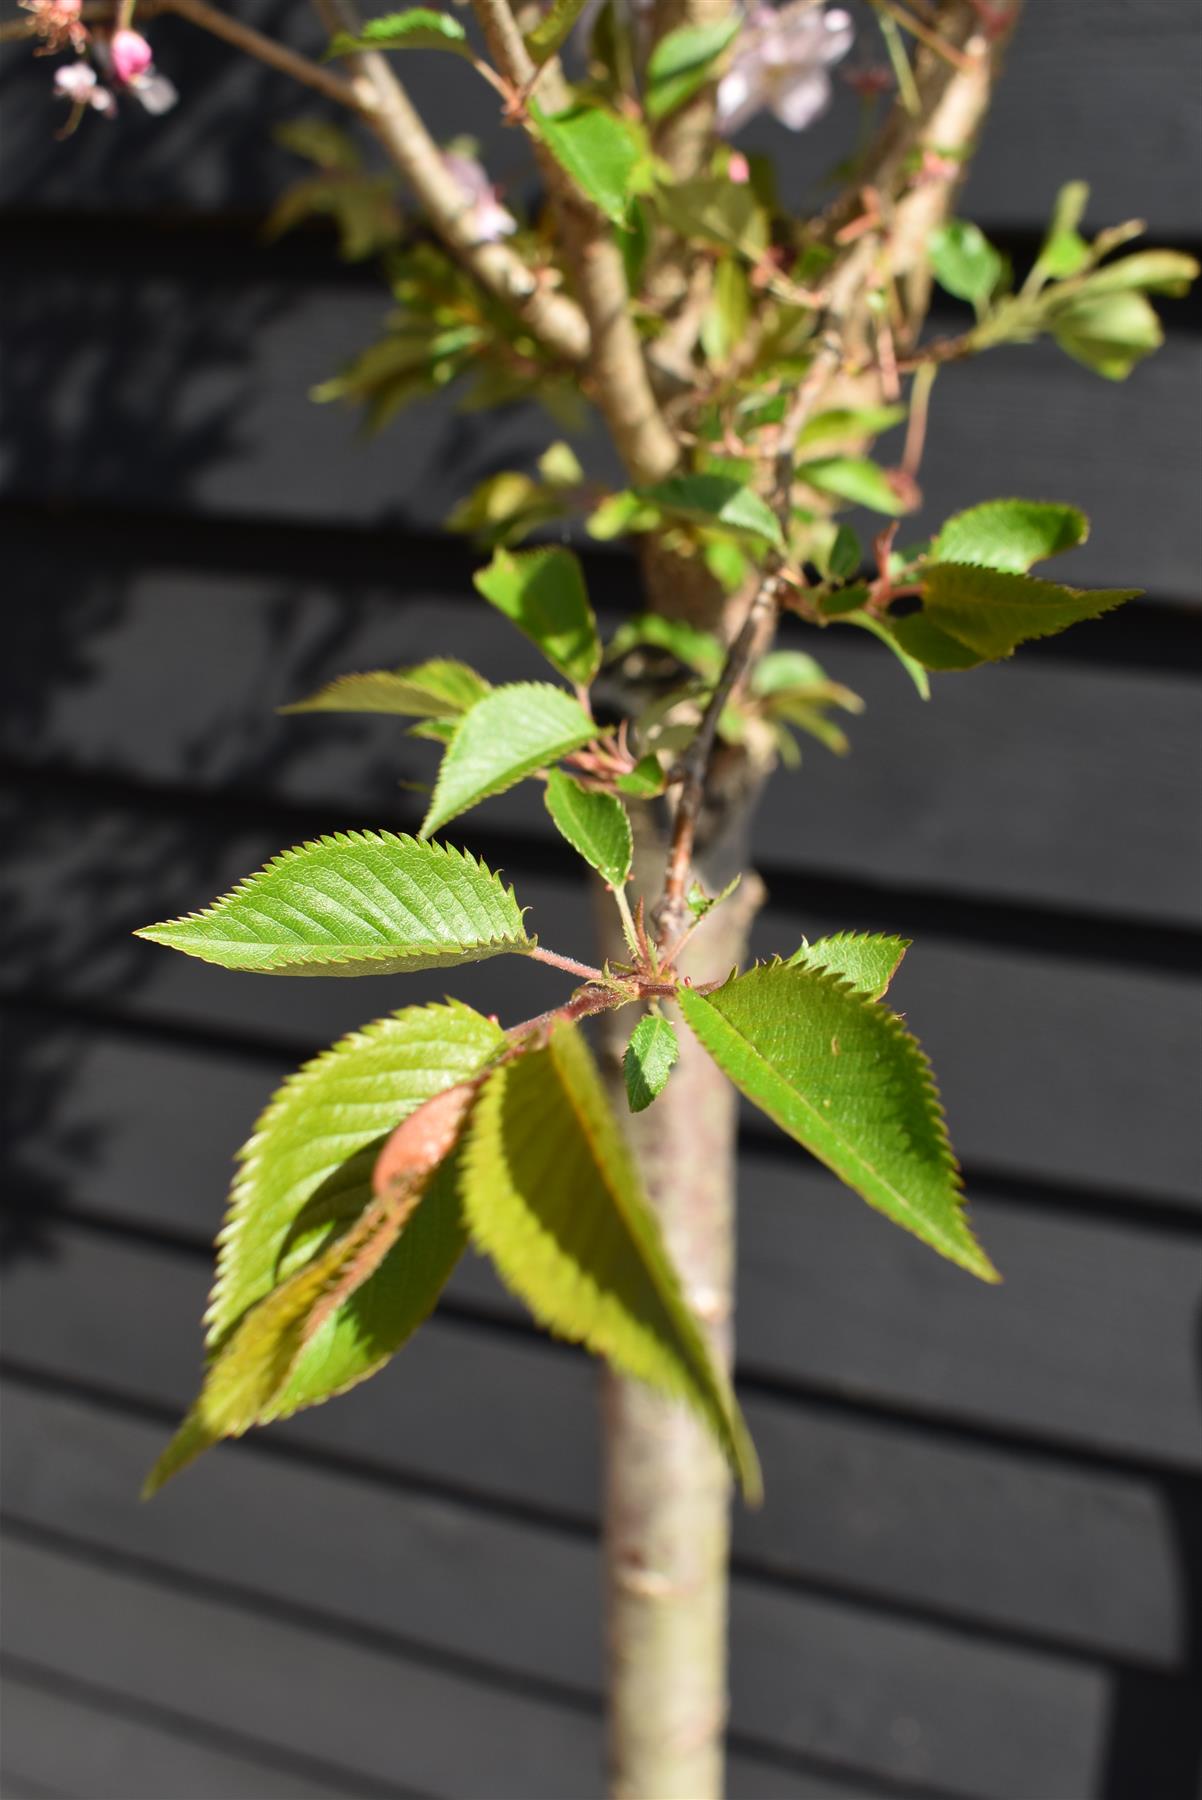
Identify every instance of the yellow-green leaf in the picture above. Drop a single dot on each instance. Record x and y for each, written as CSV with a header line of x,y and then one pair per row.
x,y
517,729
543,593
552,1195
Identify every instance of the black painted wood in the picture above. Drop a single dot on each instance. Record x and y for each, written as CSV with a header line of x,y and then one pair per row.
x,y
979,1570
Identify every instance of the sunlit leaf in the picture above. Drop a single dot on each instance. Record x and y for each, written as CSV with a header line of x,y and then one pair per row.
x,y
543,593
356,903
854,478
439,689
515,730
595,825
841,1074
598,150
552,1196
417,28
869,961
717,500
1010,534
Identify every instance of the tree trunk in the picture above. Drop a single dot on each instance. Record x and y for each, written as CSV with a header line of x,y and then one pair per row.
x,y
667,1490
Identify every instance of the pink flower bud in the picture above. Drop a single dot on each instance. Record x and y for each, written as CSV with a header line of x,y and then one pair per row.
x,y
738,169
131,56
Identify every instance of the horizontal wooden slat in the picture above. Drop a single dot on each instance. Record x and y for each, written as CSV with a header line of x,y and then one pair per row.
x,y
980,1537
1045,783
378,1715
1060,1070
1053,119
164,391
876,1696
1089,1339
91,1748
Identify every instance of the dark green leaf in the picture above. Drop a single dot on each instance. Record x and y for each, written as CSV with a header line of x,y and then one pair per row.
x,y
991,611
841,1074
650,1058
717,500
595,825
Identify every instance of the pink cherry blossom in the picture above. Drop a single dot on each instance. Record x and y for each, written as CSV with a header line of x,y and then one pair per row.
x,y
781,62
59,23
131,56
487,219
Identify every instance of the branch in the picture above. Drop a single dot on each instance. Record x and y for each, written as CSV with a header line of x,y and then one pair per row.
x,y
621,384
955,97
555,320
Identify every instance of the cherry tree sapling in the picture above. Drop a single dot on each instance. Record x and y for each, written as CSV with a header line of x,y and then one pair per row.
x,y
744,362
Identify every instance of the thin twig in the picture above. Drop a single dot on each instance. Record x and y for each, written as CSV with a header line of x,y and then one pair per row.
x,y
264,49
551,317
555,961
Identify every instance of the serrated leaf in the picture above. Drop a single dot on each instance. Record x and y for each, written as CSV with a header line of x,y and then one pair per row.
x,y
918,642
515,730
1010,534
595,825
439,689
682,62
552,1196
717,500
553,29
417,28
991,611
964,262
305,1179
357,903
598,150
650,1057
841,1074
869,961
854,478
543,593
697,650
699,902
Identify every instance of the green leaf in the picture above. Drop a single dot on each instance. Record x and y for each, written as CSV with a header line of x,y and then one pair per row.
x,y
848,421
854,478
619,514
543,593
717,211
1109,333
513,731
868,961
965,262
717,500
888,634
682,62
1149,271
357,903
697,650
321,142
841,1074
439,689
650,1058
1010,534
553,29
991,611
552,1195
598,150
724,323
594,824
418,28
918,642
305,1178
699,902
644,781
845,555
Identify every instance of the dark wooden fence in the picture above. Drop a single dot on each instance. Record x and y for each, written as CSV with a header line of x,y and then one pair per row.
x,y
979,1570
